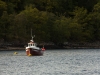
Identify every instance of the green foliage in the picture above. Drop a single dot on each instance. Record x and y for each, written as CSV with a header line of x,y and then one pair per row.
x,y
54,21
97,7
94,25
4,25
3,7
77,24
61,31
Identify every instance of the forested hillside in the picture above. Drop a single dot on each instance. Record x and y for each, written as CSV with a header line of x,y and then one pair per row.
x,y
54,21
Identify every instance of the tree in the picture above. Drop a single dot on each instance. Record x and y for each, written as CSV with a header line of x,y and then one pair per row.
x,y
32,18
93,20
78,24
4,25
3,7
61,31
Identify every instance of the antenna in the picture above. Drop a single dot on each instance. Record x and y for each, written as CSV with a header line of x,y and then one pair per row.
x,y
32,35
31,32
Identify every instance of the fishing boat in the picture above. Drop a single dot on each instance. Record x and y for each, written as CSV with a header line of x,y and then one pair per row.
x,y
33,50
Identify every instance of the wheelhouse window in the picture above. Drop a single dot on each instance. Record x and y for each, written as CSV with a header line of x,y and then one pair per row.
x,y
31,44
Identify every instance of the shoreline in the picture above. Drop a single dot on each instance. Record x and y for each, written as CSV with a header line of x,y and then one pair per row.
x,y
48,46
51,47
11,48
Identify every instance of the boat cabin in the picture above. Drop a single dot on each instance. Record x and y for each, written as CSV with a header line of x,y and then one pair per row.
x,y
32,44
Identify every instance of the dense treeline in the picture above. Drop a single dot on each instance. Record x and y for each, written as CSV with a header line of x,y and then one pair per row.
x,y
54,21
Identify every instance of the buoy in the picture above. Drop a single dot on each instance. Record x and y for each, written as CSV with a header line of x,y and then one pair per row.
x,y
29,55
43,49
15,53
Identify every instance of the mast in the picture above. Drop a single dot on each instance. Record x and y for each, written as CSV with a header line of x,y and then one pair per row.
x,y
32,35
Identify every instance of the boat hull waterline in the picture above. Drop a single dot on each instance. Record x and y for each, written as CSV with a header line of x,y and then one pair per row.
x,y
33,52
